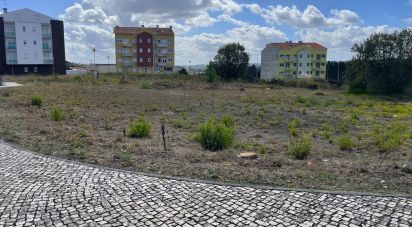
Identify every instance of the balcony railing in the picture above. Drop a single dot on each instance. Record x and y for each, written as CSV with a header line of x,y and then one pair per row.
x,y
48,61
11,61
47,35
161,54
128,64
11,47
162,44
127,54
10,34
162,64
47,48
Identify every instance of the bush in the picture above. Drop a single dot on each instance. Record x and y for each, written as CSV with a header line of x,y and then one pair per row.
x,y
36,100
183,71
346,143
146,85
390,138
57,114
211,74
140,128
217,134
293,125
301,147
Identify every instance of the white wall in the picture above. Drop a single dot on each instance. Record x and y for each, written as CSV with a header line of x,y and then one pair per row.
x,y
29,43
269,63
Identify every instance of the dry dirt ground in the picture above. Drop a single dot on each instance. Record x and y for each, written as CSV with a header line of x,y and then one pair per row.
x,y
99,111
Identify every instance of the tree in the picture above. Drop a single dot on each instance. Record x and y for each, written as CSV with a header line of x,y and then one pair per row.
x,y
252,73
211,74
183,71
231,61
382,63
335,71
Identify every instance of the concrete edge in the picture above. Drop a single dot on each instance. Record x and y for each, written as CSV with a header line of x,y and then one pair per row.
x,y
218,183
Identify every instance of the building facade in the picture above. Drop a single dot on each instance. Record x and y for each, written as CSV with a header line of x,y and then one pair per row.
x,y
145,50
31,43
293,60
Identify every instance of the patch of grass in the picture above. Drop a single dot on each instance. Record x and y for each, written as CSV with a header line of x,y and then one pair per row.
x,y
306,101
83,134
140,128
36,100
346,143
390,138
57,114
293,126
146,85
301,147
181,124
217,134
263,149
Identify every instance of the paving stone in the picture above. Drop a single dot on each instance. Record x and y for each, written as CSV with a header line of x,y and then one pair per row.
x,y
44,191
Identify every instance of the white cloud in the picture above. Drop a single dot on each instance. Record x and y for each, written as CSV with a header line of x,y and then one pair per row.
x,y
340,40
202,20
311,17
254,8
407,20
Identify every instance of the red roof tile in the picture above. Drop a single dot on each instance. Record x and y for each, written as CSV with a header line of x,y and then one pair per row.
x,y
136,30
289,45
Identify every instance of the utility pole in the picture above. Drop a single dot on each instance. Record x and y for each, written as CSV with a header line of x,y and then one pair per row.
x,y
108,64
338,71
53,66
94,62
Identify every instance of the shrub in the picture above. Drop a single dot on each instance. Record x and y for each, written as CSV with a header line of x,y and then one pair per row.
x,y
140,128
183,71
390,138
36,100
346,143
300,148
57,114
293,126
217,134
146,85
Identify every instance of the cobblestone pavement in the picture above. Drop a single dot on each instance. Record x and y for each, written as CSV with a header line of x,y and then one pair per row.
x,y
37,190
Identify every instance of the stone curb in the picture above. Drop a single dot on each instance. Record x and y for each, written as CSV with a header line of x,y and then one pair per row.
x,y
262,187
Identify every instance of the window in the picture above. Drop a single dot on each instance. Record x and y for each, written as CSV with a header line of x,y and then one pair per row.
x,y
25,42
281,64
307,64
140,40
149,60
308,55
140,50
24,28
145,70
141,60
300,56
281,56
34,29
323,55
149,50
26,69
323,64
149,40
35,69
307,72
300,64
170,59
35,42
300,72
294,64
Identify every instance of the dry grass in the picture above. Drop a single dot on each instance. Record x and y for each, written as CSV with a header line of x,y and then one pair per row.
x,y
98,113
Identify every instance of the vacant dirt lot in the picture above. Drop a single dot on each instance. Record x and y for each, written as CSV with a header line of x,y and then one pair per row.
x,y
98,113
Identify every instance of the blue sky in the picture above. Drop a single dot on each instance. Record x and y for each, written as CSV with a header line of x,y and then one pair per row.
x,y
202,26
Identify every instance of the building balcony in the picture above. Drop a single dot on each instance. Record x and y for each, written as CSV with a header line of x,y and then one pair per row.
x,y
11,48
11,61
162,64
161,54
127,54
46,35
162,44
128,64
10,34
47,49
48,61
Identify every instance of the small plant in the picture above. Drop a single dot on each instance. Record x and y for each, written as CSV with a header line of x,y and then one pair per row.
x,y
346,143
37,100
211,75
390,138
140,128
293,126
145,85
217,134
263,149
57,114
300,148
83,134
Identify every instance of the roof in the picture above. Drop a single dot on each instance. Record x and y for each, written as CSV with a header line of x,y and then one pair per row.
x,y
290,45
26,11
136,30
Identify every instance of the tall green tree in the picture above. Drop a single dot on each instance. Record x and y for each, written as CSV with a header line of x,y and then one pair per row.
x,y
231,61
382,63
